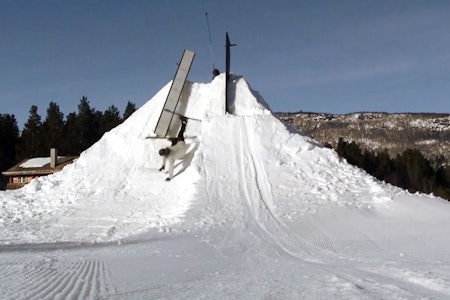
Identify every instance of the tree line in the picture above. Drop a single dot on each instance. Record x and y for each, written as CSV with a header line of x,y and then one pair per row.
x,y
71,135
79,130
409,170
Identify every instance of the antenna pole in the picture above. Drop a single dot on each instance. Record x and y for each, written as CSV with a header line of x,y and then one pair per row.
x,y
210,42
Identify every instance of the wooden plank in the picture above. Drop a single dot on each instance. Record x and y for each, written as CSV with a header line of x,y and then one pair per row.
x,y
173,97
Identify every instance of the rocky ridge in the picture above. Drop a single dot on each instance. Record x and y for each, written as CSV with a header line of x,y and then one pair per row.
x,y
426,132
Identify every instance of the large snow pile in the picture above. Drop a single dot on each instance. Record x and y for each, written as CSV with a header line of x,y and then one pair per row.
x,y
255,209
114,190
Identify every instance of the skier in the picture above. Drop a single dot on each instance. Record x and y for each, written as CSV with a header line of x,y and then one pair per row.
x,y
177,150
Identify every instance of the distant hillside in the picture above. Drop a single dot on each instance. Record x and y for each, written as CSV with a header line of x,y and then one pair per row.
x,y
427,132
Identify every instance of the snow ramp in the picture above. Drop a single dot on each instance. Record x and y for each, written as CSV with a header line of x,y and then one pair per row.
x,y
258,175
113,190
255,211
246,171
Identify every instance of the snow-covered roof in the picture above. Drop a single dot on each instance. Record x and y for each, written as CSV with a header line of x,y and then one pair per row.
x,y
37,162
38,166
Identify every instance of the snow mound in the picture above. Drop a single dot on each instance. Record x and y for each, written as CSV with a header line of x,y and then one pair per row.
x,y
256,210
243,163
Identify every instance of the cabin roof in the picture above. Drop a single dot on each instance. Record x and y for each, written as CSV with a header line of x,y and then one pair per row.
x,y
38,166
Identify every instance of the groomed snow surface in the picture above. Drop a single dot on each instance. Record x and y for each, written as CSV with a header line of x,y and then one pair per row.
x,y
255,211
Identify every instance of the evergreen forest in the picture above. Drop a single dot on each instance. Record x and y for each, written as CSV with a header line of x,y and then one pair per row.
x,y
71,134
409,170
76,132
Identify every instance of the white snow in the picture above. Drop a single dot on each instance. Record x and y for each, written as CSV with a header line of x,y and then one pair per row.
x,y
36,162
255,211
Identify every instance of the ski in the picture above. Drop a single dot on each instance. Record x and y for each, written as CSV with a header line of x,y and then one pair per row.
x,y
178,114
154,137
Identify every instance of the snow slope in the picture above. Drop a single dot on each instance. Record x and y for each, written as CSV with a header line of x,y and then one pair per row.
x,y
256,210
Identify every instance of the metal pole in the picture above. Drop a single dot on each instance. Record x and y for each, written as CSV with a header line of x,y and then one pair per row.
x,y
210,42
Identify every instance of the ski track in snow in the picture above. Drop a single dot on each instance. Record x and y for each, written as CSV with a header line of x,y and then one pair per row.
x,y
250,191
51,278
258,195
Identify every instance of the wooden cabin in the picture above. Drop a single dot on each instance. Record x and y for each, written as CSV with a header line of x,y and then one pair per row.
x,y
28,169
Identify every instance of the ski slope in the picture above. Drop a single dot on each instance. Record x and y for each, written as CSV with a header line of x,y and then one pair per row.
x,y
256,210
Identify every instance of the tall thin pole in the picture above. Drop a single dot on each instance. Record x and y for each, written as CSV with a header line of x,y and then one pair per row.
x,y
210,42
228,44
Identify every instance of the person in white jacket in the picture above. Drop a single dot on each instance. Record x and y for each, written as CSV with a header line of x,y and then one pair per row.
x,y
177,150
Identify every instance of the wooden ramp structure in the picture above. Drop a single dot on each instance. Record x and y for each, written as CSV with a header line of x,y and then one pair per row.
x,y
168,112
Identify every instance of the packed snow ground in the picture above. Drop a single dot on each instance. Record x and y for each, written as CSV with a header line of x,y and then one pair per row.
x,y
256,211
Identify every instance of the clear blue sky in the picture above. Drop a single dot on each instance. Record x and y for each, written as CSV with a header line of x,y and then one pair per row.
x,y
323,56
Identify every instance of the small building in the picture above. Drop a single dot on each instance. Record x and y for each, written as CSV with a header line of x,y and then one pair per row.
x,y
28,169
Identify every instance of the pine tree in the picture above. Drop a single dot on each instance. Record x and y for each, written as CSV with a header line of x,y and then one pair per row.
x,y
385,166
418,170
8,139
351,152
87,125
129,110
71,142
110,119
52,127
31,139
442,183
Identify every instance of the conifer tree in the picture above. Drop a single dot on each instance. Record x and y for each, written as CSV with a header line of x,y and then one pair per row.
x,y
418,170
110,119
71,142
384,167
87,125
129,110
52,127
32,145
8,139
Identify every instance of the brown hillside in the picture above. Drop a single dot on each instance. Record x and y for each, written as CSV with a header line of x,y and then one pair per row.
x,y
429,133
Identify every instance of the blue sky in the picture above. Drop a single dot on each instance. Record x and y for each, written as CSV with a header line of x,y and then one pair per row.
x,y
322,56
